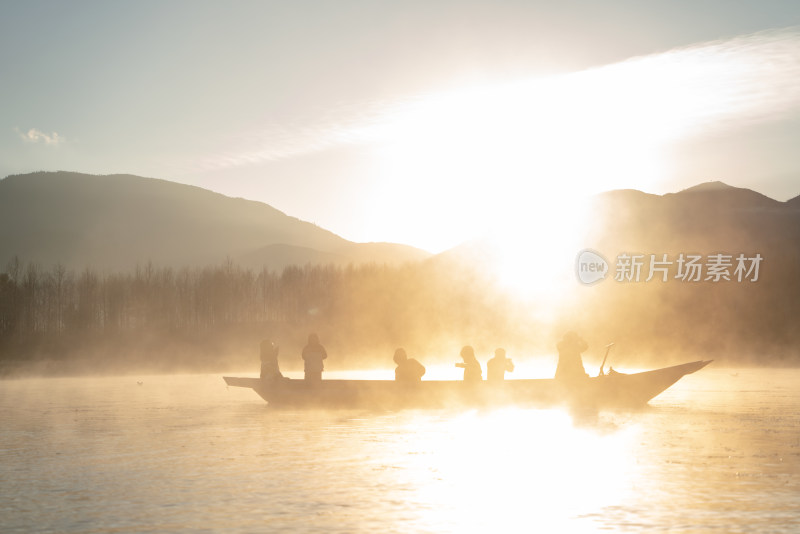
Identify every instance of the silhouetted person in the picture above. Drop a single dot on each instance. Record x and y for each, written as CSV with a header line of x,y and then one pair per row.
x,y
269,361
570,365
408,370
496,367
313,354
471,366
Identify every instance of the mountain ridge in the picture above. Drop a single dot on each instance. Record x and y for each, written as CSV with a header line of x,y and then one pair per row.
x,y
117,221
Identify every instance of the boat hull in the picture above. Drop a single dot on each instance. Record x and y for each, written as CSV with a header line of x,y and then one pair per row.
x,y
615,390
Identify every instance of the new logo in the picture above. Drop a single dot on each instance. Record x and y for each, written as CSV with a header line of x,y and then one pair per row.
x,y
590,266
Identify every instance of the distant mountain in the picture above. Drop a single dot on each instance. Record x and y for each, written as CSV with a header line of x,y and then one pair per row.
x,y
119,221
758,320
708,216
709,186
711,216
716,195
113,223
671,316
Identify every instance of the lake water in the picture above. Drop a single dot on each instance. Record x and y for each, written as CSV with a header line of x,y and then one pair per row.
x,y
718,452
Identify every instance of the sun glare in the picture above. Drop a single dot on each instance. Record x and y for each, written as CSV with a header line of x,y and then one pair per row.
x,y
514,165
459,164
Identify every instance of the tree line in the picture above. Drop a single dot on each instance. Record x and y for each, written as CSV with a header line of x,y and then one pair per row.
x,y
57,312
213,317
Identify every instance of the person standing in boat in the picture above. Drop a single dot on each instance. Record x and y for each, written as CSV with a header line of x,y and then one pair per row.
x,y
570,365
269,361
408,370
496,367
471,365
313,354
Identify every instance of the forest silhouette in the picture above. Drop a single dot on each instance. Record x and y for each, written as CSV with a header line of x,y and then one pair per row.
x,y
213,318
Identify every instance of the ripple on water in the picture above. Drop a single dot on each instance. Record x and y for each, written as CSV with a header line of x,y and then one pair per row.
x,y
185,452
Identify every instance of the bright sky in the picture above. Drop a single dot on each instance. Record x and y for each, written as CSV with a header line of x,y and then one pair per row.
x,y
421,122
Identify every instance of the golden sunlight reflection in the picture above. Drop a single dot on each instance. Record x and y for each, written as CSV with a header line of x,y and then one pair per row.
x,y
525,366
511,468
185,452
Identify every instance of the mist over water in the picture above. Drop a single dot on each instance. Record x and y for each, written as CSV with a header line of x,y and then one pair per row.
x,y
720,450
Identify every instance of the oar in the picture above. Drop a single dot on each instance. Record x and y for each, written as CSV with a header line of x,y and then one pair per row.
x,y
608,348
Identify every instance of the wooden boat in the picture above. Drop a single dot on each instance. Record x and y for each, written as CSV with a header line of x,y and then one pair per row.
x,y
614,390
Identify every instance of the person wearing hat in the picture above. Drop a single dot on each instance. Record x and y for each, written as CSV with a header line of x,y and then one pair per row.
x,y
570,365
496,367
408,370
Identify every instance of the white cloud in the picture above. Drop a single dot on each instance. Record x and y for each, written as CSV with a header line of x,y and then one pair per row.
x,y
655,98
34,135
336,127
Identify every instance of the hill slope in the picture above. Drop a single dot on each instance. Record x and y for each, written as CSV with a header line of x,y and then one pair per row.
x,y
676,314
117,221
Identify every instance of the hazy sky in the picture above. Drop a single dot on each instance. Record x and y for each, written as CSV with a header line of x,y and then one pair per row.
x,y
422,122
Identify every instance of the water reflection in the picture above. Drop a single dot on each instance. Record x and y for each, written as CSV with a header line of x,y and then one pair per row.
x,y
510,470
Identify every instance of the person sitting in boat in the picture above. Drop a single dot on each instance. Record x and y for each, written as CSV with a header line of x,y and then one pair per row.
x,y
269,361
313,354
570,365
408,370
496,367
471,365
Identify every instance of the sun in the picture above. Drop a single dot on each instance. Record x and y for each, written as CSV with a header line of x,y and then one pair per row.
x,y
533,255
458,163
512,165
